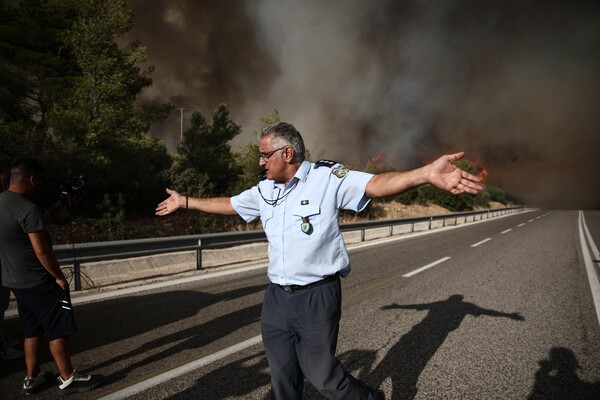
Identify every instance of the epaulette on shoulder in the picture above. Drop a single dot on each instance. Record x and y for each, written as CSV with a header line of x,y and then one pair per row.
x,y
325,163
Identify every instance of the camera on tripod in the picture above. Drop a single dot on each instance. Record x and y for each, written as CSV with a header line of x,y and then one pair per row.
x,y
65,192
70,187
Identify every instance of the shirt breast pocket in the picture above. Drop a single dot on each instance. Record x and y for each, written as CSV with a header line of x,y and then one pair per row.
x,y
307,217
266,216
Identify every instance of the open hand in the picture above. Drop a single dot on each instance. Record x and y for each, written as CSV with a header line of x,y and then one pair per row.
x,y
443,174
170,205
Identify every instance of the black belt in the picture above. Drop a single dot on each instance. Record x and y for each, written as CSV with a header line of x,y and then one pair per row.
x,y
295,288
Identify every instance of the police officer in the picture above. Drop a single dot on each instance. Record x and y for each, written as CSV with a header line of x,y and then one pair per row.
x,y
298,204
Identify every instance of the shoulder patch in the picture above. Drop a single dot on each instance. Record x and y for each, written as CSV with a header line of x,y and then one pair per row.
x,y
340,171
325,163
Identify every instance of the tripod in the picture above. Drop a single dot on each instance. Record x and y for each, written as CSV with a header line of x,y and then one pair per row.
x,y
74,273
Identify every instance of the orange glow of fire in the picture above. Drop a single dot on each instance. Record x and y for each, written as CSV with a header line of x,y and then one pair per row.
x,y
483,175
480,171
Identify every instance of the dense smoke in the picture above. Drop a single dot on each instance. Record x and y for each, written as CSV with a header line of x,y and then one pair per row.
x,y
514,84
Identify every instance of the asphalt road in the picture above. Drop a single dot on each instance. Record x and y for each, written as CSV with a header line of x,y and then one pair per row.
x,y
501,309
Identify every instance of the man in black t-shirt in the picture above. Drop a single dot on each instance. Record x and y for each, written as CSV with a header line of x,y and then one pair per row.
x,y
7,352
31,271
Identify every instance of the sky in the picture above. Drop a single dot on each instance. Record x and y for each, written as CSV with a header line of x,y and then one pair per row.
x,y
514,84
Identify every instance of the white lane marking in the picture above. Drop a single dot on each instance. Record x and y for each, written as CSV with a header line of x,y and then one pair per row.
x,y
184,369
506,231
589,266
596,253
482,242
530,220
520,225
433,264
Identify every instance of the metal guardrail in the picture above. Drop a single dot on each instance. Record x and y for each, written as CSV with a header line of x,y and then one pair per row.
x,y
101,251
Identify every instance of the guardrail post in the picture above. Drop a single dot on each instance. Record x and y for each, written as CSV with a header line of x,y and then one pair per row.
x,y
77,275
391,230
430,221
199,255
362,235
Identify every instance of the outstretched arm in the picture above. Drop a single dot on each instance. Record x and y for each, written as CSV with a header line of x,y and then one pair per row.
x,y
440,173
214,205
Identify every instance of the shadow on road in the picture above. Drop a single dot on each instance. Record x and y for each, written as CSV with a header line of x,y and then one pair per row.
x,y
407,359
557,379
111,321
114,320
190,338
235,380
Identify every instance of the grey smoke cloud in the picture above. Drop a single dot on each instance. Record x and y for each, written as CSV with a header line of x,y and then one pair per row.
x,y
515,84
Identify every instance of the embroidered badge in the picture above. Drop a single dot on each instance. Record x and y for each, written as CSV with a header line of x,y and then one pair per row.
x,y
306,226
304,202
340,171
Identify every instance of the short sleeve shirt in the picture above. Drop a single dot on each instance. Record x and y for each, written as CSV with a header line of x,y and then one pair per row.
x,y
313,196
21,268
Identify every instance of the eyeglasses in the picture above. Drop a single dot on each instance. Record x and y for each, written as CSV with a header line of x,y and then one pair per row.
x,y
266,156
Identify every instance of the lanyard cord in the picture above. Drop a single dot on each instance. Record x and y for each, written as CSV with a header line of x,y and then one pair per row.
x,y
273,202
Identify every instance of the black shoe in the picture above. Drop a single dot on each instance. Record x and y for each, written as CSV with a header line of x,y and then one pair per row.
x,y
78,383
32,385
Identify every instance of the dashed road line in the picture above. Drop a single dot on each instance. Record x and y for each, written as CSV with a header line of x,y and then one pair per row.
x,y
506,231
482,242
433,264
520,225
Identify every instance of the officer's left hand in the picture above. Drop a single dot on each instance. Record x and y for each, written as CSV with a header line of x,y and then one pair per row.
x,y
443,174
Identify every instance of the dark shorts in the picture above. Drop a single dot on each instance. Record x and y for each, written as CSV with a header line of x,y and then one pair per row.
x,y
45,310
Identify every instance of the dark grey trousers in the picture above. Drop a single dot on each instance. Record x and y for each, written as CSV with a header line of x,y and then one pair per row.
x,y
300,332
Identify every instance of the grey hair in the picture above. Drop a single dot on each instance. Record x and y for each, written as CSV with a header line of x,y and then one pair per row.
x,y
285,134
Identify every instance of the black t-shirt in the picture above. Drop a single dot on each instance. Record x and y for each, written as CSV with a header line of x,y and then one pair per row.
x,y
21,268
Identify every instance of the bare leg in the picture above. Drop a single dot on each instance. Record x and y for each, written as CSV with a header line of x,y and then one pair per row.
x,y
61,351
31,346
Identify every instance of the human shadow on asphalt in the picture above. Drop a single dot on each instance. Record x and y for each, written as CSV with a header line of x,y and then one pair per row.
x,y
407,359
557,379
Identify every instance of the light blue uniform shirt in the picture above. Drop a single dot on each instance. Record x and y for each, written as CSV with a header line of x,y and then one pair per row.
x,y
317,192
